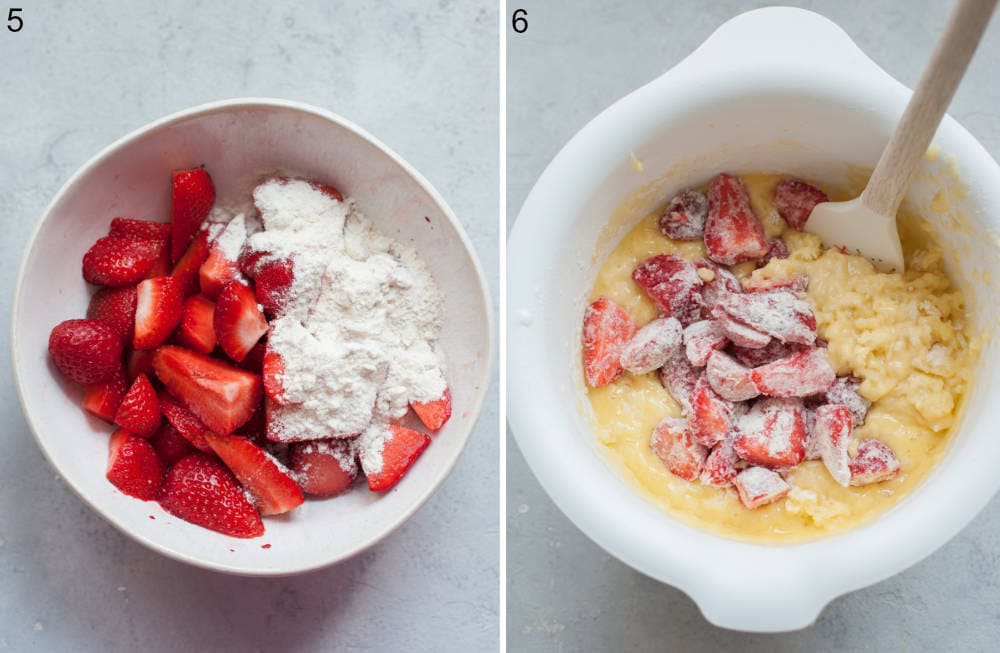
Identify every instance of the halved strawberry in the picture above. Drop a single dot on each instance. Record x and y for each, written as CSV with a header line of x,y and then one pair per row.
x,y
795,201
733,233
772,434
711,415
606,329
139,361
222,396
192,195
679,378
652,345
170,445
216,272
273,279
119,260
778,313
759,486
85,351
189,426
435,413
701,338
831,434
684,218
239,324
116,306
145,229
730,379
197,328
875,462
139,411
401,447
721,465
800,375
187,268
133,466
272,372
200,490
324,467
102,399
272,489
673,285
674,444
158,310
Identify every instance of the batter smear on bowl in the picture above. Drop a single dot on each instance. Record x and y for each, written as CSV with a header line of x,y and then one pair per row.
x,y
759,385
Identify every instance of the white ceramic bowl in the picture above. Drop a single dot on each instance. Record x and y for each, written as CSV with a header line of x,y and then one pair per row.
x,y
774,89
238,140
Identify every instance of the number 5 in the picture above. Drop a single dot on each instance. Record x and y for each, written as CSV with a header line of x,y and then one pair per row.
x,y
520,21
13,18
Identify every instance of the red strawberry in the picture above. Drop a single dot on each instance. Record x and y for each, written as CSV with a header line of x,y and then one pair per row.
x,y
774,350
184,421
740,334
673,443
187,268
272,371
272,281
685,216
192,196
216,272
759,486
795,284
327,190
435,413
401,448
139,411
711,415
239,324
717,282
119,260
145,229
85,351
139,361
831,435
269,484
200,490
701,338
324,467
673,285
158,309
730,379
222,396
606,329
733,233
721,465
875,462
116,306
254,360
197,329
133,466
800,375
846,391
679,378
775,249
778,313
795,201
170,445
652,346
772,434
102,399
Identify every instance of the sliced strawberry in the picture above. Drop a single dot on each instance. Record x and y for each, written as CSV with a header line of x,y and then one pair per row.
x,y
273,279
673,443
254,360
133,466
271,487
652,346
846,391
158,309
795,284
197,328
170,445
730,379
256,428
795,201
701,338
717,282
200,490
222,396
272,372
163,265
85,351
875,462
679,378
740,334
145,229
184,421
606,330
139,411
711,415
772,434
139,361
684,218
102,399
721,465
759,486
119,261
239,324
192,196
216,272
831,435
800,375
115,306
401,447
186,270
778,313
673,285
774,350
733,233
775,249
324,468
435,413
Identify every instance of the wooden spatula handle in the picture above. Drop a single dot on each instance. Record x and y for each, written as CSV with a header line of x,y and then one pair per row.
x,y
937,85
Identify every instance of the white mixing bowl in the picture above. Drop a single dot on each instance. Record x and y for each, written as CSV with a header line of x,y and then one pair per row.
x,y
238,141
775,89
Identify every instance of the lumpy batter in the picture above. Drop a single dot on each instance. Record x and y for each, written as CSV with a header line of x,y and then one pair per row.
x,y
904,335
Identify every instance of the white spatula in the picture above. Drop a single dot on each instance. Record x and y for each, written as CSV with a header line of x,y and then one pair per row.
x,y
867,224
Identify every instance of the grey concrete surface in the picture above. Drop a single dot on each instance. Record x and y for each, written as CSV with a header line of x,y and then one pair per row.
x,y
565,593
423,78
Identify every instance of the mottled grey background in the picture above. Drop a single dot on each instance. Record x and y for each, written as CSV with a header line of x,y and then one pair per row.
x,y
566,594
422,77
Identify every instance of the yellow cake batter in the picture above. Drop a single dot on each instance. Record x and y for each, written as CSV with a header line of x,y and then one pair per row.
x,y
904,335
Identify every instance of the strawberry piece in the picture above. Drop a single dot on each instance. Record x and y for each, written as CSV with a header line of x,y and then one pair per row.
x,y
775,249
133,466
800,375
184,421
163,265
778,313
434,414
115,306
711,415
273,279
254,360
272,371
741,335
119,260
831,434
772,434
846,391
721,465
400,449
795,284
327,190
187,269
145,229
652,346
759,486
324,468
875,462
795,201
200,490
606,330
158,308
139,361
216,272
679,378
701,338
717,282
222,396
170,445
85,351
733,234
774,350
812,446
673,285
685,216
192,196
674,444
102,399
239,324
197,328
729,378
271,487
139,411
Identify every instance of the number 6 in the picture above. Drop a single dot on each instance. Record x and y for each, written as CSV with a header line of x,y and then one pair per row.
x,y
520,21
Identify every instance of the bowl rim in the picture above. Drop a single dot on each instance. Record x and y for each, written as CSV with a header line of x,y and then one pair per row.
x,y
223,106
